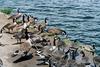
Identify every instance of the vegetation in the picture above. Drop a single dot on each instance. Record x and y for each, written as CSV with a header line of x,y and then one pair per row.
x,y
18,21
6,10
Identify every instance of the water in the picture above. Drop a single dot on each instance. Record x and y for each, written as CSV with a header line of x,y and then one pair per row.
x,y
80,18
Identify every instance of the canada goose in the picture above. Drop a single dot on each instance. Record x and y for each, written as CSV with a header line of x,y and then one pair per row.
x,y
27,22
56,31
16,16
20,35
42,24
96,61
32,19
58,42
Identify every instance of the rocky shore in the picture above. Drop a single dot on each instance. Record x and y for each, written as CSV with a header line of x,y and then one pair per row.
x,y
8,47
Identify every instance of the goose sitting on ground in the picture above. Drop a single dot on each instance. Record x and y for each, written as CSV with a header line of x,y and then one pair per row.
x,y
56,31
16,15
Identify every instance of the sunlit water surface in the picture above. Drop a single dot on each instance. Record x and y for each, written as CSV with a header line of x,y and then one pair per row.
x,y
79,18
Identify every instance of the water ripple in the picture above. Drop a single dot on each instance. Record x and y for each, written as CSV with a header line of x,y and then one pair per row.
x,y
79,18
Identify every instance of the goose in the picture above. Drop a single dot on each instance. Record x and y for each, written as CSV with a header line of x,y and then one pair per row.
x,y
20,35
27,22
42,25
60,44
16,15
32,19
56,31
96,61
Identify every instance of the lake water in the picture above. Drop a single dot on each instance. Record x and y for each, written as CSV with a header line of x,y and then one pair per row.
x,y
79,18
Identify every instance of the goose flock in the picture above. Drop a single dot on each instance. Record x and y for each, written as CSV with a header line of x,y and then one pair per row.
x,y
50,47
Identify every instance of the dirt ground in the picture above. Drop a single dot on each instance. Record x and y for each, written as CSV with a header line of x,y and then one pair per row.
x,y
5,51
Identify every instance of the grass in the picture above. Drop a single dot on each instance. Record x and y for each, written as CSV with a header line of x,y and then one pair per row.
x,y
6,10
18,21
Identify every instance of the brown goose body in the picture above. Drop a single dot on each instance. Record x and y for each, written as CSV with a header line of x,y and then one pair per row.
x,y
56,31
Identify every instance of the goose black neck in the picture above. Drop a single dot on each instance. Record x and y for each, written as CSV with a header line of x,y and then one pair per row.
x,y
23,19
26,34
28,18
45,20
54,42
13,20
1,31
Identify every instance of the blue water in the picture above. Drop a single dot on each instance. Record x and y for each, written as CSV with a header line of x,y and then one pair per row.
x,y
80,18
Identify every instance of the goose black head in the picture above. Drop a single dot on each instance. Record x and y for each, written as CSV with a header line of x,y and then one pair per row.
x,y
75,41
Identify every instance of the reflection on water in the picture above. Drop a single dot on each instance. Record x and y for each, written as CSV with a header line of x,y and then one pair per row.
x,y
80,18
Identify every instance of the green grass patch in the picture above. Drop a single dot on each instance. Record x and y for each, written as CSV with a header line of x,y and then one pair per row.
x,y
18,21
6,10
67,41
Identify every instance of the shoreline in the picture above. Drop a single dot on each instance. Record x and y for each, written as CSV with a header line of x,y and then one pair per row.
x,y
9,48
